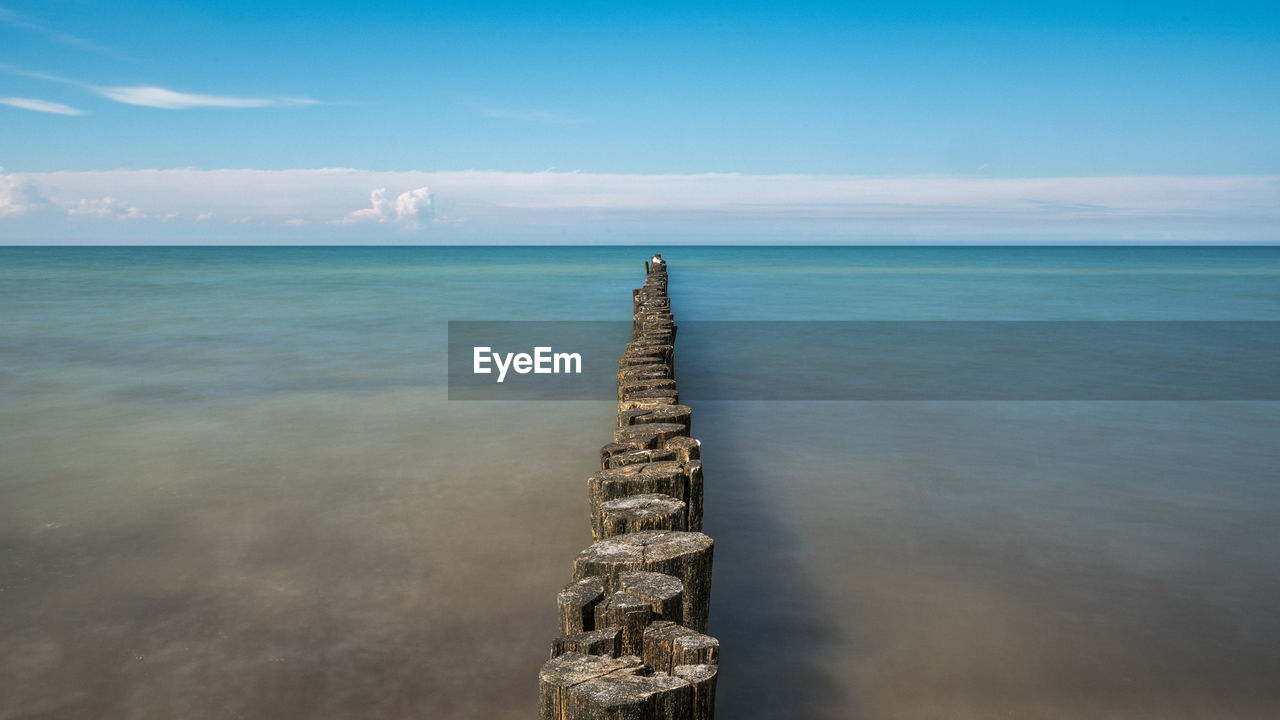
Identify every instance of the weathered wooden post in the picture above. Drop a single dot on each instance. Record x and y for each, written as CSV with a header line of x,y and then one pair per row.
x,y
664,593
632,641
683,555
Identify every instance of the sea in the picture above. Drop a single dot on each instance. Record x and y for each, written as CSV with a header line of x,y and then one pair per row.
x,y
233,485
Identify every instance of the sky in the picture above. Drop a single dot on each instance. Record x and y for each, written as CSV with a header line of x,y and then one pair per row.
x,y
415,122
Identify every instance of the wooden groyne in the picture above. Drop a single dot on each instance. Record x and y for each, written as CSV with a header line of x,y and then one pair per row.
x,y
632,638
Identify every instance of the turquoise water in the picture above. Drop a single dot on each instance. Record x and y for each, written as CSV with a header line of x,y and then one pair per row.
x,y
231,486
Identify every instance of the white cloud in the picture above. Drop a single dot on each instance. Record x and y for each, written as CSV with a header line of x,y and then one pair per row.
x,y
18,196
158,97
412,205
408,209
40,106
379,212
106,207
472,203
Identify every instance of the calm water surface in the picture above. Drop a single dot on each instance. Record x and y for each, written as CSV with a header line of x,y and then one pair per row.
x,y
231,487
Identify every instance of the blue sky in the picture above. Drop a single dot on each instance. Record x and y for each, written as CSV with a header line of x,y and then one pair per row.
x,y
94,94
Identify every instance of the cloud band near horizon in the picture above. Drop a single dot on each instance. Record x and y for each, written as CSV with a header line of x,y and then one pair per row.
x,y
425,206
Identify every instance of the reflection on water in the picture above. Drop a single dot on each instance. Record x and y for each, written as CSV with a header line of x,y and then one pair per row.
x,y
230,486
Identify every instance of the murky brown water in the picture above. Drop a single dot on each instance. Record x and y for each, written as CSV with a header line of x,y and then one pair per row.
x,y
979,560
308,558
311,558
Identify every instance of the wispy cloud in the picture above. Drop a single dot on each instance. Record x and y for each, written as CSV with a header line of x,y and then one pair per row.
x,y
21,72
13,19
527,115
166,99
44,106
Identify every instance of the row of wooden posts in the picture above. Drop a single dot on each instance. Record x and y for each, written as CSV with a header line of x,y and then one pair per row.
x,y
632,638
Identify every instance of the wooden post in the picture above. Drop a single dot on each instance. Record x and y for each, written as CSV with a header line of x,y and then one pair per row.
x,y
632,642
641,512
643,372
667,645
683,555
633,398
660,414
630,387
703,680
607,641
629,613
664,593
693,494
650,435
631,697
663,478
560,674
638,457
686,448
577,603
